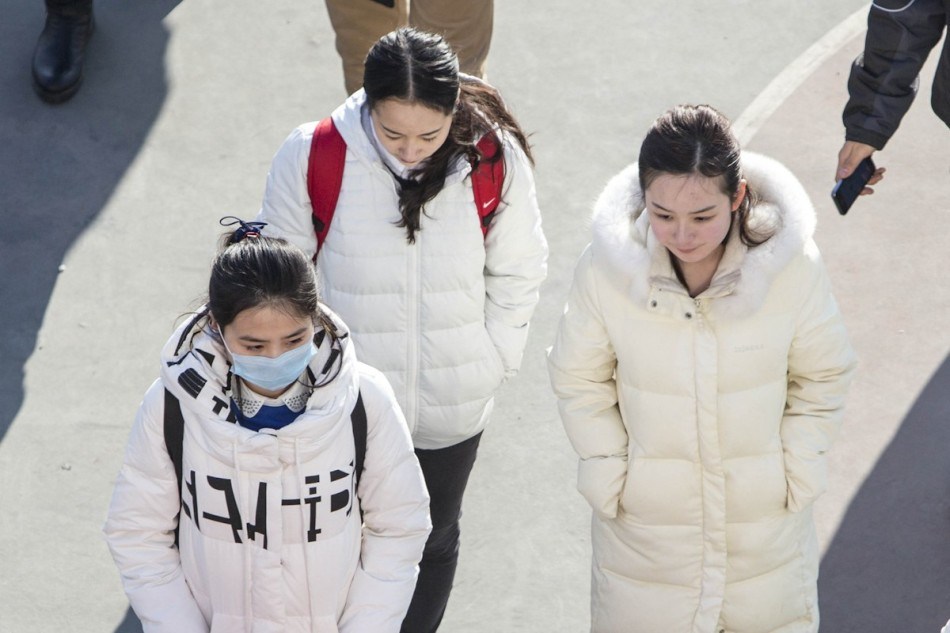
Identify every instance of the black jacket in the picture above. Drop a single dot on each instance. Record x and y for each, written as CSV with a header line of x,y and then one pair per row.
x,y
883,82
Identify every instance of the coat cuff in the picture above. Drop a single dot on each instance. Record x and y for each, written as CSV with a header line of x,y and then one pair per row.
x,y
875,140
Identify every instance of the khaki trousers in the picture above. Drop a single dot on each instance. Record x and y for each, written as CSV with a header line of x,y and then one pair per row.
x,y
465,24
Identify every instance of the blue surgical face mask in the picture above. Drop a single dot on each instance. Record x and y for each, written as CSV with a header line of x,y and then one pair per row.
x,y
272,373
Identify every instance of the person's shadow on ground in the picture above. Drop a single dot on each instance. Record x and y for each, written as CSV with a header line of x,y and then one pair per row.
x,y
887,569
59,165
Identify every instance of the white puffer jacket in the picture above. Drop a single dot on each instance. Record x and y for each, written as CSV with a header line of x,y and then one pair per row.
x,y
445,319
702,424
270,532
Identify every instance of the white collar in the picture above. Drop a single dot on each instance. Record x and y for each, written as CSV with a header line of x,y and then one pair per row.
x,y
250,402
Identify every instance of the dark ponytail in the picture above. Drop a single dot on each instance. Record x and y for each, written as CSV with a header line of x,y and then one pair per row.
x,y
252,271
419,67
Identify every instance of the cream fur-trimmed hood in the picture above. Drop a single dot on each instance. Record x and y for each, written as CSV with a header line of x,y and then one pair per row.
x,y
624,245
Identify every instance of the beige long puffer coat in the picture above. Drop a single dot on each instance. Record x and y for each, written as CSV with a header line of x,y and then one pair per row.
x,y
702,424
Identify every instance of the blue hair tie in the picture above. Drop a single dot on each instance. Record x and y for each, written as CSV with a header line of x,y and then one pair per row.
x,y
247,229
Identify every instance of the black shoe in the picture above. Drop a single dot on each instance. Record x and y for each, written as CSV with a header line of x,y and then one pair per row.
x,y
57,61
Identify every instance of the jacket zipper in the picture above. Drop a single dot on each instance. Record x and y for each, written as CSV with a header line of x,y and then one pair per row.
x,y
413,334
700,307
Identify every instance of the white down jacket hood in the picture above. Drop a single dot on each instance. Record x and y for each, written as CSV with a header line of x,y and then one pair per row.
x,y
271,536
445,318
702,423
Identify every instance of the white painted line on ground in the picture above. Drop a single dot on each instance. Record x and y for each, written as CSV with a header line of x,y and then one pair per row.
x,y
795,74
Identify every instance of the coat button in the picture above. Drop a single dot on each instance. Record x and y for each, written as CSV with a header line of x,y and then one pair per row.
x,y
689,315
653,303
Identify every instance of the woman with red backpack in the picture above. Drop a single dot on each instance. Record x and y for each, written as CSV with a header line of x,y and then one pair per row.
x,y
436,281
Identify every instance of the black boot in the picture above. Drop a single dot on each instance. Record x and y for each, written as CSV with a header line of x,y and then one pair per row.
x,y
58,59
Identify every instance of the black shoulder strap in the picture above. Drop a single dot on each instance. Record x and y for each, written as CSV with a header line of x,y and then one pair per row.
x,y
174,432
174,425
358,419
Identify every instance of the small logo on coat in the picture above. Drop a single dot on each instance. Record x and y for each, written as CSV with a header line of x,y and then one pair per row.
x,y
750,348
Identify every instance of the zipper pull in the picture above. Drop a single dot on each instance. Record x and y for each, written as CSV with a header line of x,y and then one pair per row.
x,y
699,306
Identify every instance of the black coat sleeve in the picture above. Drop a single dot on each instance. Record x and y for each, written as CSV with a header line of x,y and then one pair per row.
x,y
883,81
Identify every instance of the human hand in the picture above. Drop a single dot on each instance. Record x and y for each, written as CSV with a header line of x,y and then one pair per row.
x,y
851,154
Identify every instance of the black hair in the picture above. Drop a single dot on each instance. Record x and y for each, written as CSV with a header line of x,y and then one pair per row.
x,y
252,271
698,140
420,68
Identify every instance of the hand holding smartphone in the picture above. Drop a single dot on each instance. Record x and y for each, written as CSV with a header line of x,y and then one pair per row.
x,y
846,191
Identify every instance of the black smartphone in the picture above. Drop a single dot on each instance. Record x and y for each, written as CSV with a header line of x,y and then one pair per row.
x,y
847,191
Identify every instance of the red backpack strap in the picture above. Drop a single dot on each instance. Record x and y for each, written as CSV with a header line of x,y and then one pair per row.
x,y
325,175
488,178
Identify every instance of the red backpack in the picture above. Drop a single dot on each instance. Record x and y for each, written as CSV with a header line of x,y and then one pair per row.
x,y
325,177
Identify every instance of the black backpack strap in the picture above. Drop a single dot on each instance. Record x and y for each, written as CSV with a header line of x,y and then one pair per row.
x,y
174,424
358,419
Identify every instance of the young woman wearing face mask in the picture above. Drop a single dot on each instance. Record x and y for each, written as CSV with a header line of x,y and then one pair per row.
x,y
701,366
441,309
276,530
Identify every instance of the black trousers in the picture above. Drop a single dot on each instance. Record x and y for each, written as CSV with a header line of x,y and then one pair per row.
x,y
69,7
446,472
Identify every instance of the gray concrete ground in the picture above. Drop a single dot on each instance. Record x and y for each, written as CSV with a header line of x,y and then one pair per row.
x,y
109,204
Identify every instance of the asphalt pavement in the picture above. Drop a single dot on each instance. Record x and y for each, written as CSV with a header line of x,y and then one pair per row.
x,y
109,208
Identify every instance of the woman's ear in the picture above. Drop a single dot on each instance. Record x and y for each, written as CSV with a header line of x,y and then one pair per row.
x,y
740,195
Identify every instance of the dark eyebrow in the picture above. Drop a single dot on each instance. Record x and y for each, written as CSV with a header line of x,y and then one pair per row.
x,y
662,208
251,339
395,133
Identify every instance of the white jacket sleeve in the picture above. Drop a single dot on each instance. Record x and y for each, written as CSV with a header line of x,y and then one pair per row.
x,y
820,366
515,260
140,527
581,365
396,523
286,204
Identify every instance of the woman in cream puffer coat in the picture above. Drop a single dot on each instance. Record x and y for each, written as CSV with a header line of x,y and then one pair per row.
x,y
701,383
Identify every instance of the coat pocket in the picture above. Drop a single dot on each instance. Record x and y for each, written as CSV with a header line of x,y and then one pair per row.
x,y
662,491
601,480
497,375
756,487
